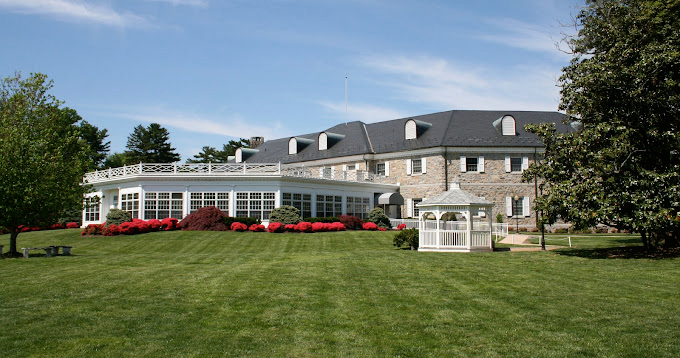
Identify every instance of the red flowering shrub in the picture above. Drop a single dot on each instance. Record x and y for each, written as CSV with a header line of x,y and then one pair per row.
x,y
57,226
128,228
351,222
168,224
337,226
275,227
401,226
72,225
154,224
382,229
111,230
290,227
256,228
304,227
93,229
236,226
142,226
208,218
319,227
370,226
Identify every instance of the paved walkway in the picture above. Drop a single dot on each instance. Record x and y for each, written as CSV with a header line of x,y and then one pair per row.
x,y
519,239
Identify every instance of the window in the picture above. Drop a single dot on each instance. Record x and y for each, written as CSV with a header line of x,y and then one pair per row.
x,y
130,203
327,173
380,169
415,209
358,206
517,207
417,166
201,200
471,164
328,205
92,208
515,164
301,201
255,205
508,125
163,205
351,167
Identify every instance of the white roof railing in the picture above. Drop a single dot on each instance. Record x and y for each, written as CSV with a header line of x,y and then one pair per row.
x,y
228,170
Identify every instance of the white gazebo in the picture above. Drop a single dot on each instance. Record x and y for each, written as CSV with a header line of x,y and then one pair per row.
x,y
439,231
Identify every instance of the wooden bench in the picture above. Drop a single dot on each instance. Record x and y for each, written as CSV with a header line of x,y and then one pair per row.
x,y
48,250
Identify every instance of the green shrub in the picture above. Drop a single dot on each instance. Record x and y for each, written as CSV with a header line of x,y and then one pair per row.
x,y
117,217
285,215
499,218
407,237
378,217
243,220
327,220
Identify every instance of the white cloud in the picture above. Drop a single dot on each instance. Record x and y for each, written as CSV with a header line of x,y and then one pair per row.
x,y
76,11
526,36
362,112
448,85
200,3
232,126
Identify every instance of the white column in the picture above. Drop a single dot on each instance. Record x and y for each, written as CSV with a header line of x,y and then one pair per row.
x,y
468,230
489,214
439,219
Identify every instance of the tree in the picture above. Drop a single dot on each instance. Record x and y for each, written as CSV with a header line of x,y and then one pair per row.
x,y
41,159
623,86
150,145
115,160
93,139
210,154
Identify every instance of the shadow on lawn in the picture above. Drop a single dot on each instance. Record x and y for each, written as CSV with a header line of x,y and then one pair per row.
x,y
626,252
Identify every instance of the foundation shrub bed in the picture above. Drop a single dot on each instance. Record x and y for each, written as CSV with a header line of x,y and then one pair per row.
x,y
327,219
228,220
134,227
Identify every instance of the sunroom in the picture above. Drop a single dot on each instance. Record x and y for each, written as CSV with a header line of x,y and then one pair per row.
x,y
440,227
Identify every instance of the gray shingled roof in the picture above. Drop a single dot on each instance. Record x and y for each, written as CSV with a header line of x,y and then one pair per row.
x,y
450,129
455,196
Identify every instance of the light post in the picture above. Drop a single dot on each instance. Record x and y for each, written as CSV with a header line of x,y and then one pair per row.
x,y
516,216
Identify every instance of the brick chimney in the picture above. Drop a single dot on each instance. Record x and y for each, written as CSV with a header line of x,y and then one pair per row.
x,y
256,141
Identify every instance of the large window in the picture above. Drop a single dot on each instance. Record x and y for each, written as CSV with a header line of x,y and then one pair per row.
x,y
92,209
471,164
201,200
358,206
301,201
163,205
130,203
518,207
417,166
515,164
328,205
255,205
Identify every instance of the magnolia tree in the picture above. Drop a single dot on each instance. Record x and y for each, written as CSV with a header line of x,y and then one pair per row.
x,y
622,168
41,159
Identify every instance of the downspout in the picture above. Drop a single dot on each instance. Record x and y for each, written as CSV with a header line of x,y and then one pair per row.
x,y
536,185
446,168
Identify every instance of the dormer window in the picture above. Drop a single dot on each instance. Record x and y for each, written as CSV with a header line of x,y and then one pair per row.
x,y
414,129
506,125
242,154
297,144
327,140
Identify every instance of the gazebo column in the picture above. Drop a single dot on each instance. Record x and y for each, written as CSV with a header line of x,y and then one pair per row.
x,y
468,229
489,214
438,217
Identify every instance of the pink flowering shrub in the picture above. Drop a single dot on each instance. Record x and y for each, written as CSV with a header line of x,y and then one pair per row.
x,y
319,227
72,225
93,229
154,224
256,228
237,226
128,228
57,226
290,228
304,226
401,226
275,227
370,226
111,230
382,229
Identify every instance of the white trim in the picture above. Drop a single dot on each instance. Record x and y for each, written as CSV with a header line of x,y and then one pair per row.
x,y
508,164
408,167
387,168
525,163
508,206
463,164
409,208
423,165
480,164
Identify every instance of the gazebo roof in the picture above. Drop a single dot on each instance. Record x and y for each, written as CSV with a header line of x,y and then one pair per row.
x,y
456,196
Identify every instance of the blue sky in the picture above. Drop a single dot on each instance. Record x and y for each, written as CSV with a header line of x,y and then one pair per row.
x,y
210,71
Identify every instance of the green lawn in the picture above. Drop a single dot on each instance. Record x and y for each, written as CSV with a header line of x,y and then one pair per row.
x,y
214,294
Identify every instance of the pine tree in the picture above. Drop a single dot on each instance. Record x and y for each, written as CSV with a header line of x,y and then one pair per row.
x,y
150,145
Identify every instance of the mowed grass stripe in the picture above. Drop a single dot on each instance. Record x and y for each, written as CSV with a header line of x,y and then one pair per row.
x,y
329,294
